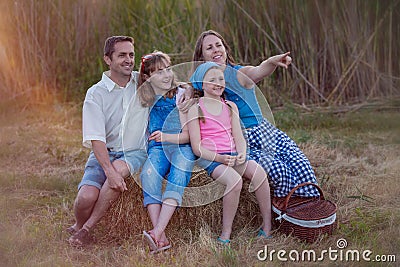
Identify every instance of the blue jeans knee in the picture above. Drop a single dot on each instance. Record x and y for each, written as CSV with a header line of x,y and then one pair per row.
x,y
163,160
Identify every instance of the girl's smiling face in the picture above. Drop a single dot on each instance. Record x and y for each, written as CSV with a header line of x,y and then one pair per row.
x,y
161,79
214,83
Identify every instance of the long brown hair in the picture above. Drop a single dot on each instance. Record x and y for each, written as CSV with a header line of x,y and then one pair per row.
x,y
198,50
149,64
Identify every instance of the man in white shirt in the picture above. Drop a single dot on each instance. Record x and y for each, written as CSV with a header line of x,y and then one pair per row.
x,y
114,125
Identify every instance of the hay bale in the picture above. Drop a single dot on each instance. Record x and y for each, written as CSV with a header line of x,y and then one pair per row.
x,y
128,218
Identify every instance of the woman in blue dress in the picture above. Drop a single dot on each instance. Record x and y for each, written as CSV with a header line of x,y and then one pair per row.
x,y
277,153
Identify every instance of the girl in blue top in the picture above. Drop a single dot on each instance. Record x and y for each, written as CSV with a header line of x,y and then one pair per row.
x,y
169,150
279,155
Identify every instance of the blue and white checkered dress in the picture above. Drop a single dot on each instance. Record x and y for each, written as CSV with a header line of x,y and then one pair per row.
x,y
284,162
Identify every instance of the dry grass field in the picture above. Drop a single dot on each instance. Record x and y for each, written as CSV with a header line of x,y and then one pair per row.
x,y
356,156
344,52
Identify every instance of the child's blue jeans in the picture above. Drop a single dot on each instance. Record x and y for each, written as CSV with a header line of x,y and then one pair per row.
x,y
173,161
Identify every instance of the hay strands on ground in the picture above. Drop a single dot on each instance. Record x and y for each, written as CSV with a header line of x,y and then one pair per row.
x,y
362,197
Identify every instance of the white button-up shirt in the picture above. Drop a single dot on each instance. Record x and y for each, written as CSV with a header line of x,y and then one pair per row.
x,y
114,115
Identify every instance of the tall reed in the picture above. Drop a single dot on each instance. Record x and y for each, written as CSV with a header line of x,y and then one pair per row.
x,y
343,51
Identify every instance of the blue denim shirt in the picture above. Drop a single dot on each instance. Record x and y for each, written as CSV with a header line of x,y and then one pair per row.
x,y
164,117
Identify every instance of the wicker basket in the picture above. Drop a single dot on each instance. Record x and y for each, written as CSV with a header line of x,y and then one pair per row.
x,y
305,218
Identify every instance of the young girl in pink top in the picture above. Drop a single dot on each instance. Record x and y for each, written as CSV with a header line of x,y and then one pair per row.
x,y
216,137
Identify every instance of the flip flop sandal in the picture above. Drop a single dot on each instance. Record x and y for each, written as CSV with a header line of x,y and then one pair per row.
x,y
261,233
223,241
150,241
70,230
162,248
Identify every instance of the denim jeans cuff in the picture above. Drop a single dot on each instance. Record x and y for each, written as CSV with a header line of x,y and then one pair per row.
x,y
92,183
174,195
151,200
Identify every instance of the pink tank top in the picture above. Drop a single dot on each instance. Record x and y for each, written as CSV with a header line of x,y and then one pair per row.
x,y
216,131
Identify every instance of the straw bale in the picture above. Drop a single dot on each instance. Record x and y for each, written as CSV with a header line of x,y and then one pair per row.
x,y
128,218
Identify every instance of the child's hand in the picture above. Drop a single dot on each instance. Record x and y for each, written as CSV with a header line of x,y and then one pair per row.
x,y
228,160
240,158
156,136
184,97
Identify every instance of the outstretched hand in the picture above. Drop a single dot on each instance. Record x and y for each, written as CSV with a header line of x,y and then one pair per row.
x,y
282,60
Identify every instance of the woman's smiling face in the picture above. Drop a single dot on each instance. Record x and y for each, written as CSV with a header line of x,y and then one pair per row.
x,y
213,49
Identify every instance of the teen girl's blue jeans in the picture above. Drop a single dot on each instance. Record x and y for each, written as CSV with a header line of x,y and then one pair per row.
x,y
175,162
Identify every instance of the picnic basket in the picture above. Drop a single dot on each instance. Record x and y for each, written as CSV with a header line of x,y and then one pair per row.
x,y
304,217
